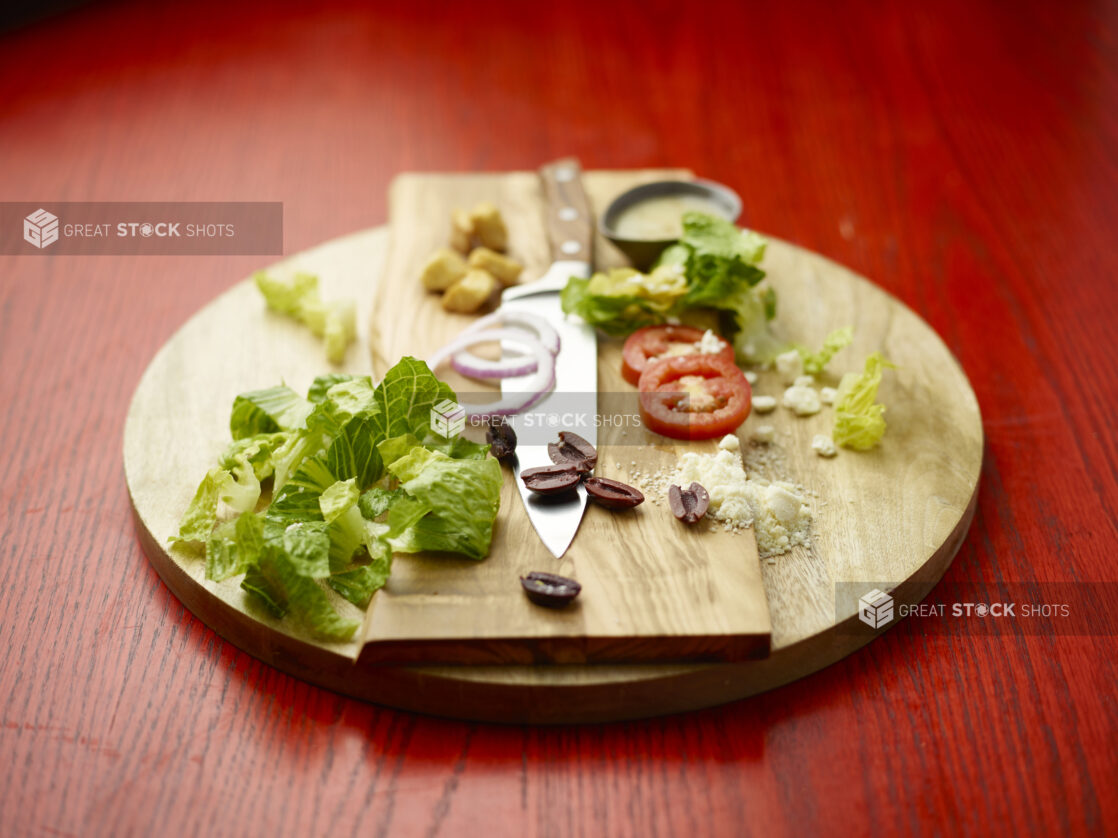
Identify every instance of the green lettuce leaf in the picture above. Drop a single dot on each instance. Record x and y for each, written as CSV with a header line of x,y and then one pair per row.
x,y
337,499
306,546
615,315
404,399
267,411
240,488
461,497
256,450
200,517
859,420
261,592
286,576
713,236
622,300
722,261
457,447
298,499
353,453
712,270
234,547
722,274
322,383
816,362
359,584
302,597
341,403
377,501
334,321
749,311
286,297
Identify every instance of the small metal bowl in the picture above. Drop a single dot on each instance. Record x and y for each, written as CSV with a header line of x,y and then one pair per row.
x,y
643,252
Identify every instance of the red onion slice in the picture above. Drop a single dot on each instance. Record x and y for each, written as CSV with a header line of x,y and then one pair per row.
x,y
474,367
546,332
512,403
540,359
484,369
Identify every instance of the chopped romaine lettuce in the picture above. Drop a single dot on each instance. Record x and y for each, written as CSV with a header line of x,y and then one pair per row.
x,y
302,597
461,498
859,420
200,517
334,321
267,411
240,487
325,455
323,383
711,270
614,314
404,399
234,547
816,362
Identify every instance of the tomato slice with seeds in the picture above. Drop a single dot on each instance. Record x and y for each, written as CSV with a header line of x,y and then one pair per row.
x,y
694,396
654,342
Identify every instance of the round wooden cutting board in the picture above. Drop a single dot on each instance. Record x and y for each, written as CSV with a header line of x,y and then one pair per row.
x,y
892,518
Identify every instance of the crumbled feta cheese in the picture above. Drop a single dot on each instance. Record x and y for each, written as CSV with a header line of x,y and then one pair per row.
x,y
784,505
710,344
783,520
805,381
778,513
751,376
823,445
764,433
729,443
764,404
803,400
723,476
827,395
790,365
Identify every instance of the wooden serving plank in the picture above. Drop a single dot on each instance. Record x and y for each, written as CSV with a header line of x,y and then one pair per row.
x,y
652,589
895,515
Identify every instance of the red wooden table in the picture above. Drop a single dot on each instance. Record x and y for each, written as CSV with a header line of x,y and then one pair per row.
x,y
962,157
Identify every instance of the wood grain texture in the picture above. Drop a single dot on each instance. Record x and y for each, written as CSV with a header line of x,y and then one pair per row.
x,y
962,156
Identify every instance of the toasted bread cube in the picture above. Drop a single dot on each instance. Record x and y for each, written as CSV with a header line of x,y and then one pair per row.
x,y
461,231
489,227
472,292
443,269
505,269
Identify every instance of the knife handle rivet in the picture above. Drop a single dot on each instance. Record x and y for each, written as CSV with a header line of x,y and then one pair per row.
x,y
568,214
564,174
570,247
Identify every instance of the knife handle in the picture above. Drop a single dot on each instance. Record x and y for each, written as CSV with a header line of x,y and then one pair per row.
x,y
569,220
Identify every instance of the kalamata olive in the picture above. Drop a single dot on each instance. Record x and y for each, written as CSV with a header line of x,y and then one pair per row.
x,y
551,480
688,505
549,590
571,448
501,438
613,494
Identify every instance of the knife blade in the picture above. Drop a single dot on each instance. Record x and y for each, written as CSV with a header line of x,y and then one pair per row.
x,y
571,404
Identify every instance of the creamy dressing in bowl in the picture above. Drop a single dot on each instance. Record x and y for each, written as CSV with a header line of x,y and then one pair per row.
x,y
658,218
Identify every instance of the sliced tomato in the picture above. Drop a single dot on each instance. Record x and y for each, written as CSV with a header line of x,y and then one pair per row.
x,y
694,396
653,342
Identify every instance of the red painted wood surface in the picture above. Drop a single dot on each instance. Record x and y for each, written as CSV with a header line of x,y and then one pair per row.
x,y
963,156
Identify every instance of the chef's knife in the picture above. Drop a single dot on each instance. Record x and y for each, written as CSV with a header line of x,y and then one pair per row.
x,y
572,403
